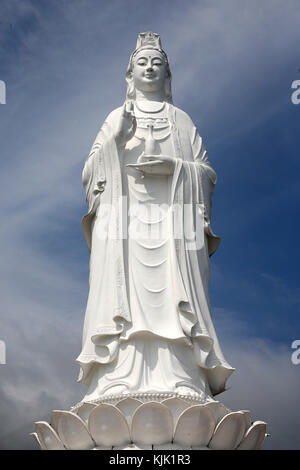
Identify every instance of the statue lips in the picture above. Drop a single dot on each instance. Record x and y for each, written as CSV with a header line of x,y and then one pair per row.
x,y
149,75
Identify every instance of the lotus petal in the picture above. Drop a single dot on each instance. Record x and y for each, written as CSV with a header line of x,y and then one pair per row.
x,y
152,423
195,426
200,448
218,410
169,446
177,407
103,448
73,432
84,411
108,426
127,406
229,432
36,437
248,418
47,437
133,447
55,417
254,437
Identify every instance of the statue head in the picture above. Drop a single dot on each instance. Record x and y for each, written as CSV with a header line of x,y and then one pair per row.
x,y
148,68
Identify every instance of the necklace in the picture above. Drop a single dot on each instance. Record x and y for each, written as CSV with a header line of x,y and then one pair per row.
x,y
158,110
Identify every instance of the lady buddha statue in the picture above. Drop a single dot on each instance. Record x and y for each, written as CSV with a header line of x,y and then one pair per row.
x,y
148,182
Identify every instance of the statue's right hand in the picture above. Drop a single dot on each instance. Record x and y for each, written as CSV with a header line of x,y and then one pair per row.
x,y
127,124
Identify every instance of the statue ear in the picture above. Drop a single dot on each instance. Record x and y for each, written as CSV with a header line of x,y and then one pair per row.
x,y
168,90
130,86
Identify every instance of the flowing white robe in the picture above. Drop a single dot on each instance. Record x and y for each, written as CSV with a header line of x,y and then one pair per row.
x,y
150,327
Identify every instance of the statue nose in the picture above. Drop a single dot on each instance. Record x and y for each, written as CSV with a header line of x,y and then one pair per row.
x,y
149,68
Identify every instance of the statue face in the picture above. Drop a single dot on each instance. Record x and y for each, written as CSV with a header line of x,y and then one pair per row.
x,y
149,70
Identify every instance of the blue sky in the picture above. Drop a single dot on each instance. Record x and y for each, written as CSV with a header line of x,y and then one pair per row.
x,y
64,66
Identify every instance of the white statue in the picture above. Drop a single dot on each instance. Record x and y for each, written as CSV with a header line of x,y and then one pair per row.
x,y
150,357
149,184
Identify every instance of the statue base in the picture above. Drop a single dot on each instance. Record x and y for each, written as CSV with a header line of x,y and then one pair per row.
x,y
150,421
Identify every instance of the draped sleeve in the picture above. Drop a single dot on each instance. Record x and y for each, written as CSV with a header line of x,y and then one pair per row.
x,y
94,174
206,178
193,184
107,309
195,172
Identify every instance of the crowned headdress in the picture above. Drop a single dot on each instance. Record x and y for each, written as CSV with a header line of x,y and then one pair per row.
x,y
149,40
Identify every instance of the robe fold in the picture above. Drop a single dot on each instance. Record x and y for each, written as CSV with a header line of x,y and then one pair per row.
x,y
108,320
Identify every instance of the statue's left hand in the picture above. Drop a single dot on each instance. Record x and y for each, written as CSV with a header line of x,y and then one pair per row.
x,y
155,164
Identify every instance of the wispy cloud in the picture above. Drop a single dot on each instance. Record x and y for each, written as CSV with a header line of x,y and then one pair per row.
x,y
266,383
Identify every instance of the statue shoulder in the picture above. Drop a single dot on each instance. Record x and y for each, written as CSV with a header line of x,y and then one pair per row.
x,y
110,122
188,129
114,116
182,118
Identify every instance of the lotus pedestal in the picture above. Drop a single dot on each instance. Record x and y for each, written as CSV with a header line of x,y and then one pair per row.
x,y
150,421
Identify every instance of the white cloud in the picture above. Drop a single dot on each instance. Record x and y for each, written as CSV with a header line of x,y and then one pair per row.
x,y
267,384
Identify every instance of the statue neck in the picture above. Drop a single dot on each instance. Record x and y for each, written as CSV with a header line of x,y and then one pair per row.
x,y
149,96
